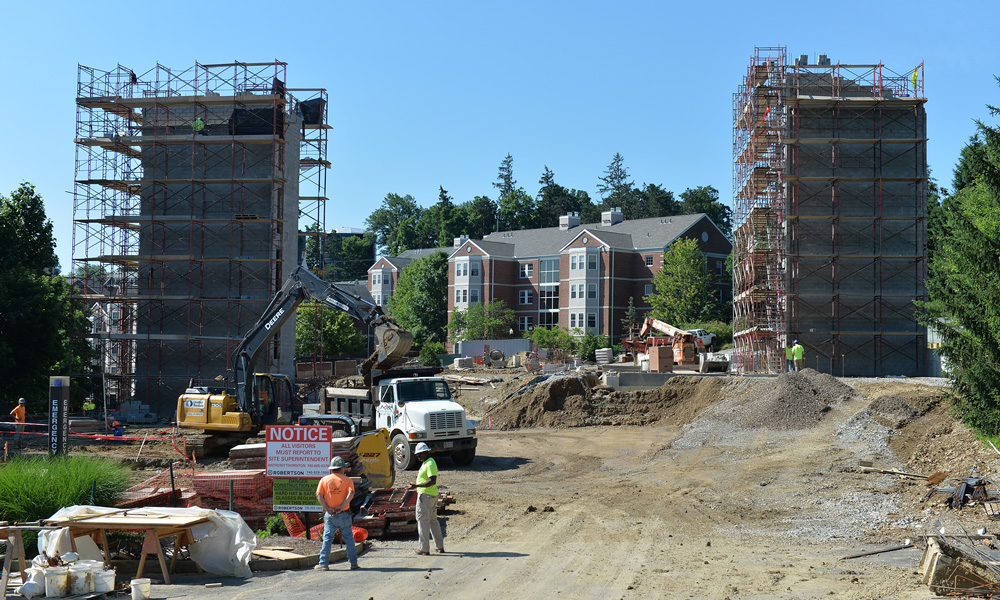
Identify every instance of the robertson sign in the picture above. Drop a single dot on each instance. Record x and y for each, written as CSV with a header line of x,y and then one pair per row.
x,y
295,451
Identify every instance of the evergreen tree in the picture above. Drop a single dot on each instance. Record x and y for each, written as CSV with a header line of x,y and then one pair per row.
x,y
963,282
505,183
618,191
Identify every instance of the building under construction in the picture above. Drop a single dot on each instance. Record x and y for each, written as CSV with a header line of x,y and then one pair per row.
x,y
190,190
829,188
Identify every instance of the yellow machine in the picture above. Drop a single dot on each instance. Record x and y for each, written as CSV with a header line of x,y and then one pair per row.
x,y
230,413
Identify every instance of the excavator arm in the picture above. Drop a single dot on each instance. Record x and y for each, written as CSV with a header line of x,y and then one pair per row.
x,y
393,341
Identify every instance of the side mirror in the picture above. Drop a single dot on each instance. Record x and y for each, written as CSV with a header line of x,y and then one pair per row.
x,y
400,404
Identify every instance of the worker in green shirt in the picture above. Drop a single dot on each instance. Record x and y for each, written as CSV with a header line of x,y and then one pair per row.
x,y
198,126
798,352
789,358
427,496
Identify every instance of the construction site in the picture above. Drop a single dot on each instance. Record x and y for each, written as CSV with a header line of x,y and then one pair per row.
x,y
830,233
661,470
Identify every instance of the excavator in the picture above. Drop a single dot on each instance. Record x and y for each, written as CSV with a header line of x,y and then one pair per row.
x,y
228,415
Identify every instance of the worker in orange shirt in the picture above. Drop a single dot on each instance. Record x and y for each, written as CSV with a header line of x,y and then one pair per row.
x,y
19,413
334,493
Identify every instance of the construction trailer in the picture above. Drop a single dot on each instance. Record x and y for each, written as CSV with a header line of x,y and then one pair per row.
x,y
190,189
830,184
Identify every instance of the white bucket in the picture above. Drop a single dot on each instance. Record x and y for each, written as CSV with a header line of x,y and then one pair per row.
x,y
140,589
80,580
104,581
55,582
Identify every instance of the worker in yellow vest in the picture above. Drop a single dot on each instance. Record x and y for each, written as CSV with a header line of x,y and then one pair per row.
x,y
798,354
789,359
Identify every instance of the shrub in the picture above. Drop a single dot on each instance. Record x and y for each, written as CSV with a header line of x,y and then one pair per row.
x,y
273,525
429,354
589,344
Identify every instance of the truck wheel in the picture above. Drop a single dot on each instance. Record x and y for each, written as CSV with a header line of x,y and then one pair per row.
x,y
402,458
463,458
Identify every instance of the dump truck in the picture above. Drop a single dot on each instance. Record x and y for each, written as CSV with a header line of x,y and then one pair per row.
x,y
228,414
414,406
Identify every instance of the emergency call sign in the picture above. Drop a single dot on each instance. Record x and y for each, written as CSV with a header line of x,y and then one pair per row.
x,y
295,451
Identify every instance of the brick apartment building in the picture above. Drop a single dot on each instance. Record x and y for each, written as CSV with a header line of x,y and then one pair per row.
x,y
576,276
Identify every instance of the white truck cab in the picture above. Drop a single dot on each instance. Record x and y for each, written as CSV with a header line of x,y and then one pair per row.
x,y
420,409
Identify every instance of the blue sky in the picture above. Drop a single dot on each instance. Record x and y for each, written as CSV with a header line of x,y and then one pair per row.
x,y
431,94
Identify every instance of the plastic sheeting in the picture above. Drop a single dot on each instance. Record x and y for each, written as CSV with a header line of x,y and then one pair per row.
x,y
223,545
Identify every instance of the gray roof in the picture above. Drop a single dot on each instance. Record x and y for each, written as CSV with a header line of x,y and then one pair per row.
x,y
638,234
422,252
358,288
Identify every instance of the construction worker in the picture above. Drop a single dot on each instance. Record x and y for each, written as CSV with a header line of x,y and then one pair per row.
x,y
19,413
426,485
334,493
198,126
789,358
798,353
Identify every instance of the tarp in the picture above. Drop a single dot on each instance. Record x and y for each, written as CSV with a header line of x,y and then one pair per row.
x,y
223,545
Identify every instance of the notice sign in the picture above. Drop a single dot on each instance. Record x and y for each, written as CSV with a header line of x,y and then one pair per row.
x,y
295,495
295,451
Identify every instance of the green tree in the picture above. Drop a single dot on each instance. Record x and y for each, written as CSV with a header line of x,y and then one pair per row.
x,y
36,314
705,199
354,257
658,202
517,211
631,319
555,201
589,344
963,282
684,291
618,191
505,183
420,301
322,332
480,217
481,322
394,223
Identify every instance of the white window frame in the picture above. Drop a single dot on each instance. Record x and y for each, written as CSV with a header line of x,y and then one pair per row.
x,y
572,290
525,323
592,291
572,262
525,297
649,289
649,260
719,266
572,320
591,262
527,269
458,296
465,296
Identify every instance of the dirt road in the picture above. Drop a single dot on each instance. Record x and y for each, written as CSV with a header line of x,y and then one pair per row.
x,y
673,510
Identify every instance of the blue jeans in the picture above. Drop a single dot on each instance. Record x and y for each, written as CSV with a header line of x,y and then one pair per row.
x,y
342,521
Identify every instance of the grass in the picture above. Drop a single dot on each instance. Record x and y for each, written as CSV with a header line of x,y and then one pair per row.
x,y
35,488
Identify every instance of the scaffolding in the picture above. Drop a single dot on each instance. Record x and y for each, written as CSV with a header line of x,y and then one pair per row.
x,y
830,177
186,208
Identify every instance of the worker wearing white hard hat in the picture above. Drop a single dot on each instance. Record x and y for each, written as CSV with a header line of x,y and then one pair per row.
x,y
427,495
334,493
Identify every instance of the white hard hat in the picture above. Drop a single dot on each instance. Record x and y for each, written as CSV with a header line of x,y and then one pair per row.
x,y
337,463
422,447
20,400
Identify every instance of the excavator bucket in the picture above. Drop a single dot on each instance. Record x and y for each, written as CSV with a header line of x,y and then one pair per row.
x,y
393,344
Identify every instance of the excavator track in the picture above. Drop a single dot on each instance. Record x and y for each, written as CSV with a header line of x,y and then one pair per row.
x,y
207,444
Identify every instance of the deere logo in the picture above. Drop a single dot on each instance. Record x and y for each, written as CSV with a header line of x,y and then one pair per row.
x,y
274,319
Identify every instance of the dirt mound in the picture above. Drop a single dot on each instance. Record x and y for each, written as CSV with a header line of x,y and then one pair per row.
x,y
892,411
796,400
577,400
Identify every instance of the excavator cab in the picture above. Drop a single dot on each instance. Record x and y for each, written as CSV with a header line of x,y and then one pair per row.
x,y
273,396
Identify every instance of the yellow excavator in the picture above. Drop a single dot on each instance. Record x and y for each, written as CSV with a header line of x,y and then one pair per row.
x,y
228,415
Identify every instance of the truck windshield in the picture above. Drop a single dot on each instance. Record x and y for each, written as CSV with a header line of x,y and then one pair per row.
x,y
423,390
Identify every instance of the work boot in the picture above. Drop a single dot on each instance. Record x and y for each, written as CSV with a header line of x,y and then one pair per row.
x,y
355,567
321,568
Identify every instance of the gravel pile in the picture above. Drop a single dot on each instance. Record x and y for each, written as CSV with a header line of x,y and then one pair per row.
x,y
796,400
892,411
